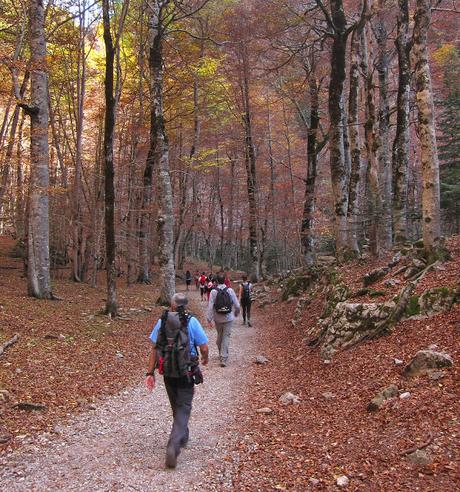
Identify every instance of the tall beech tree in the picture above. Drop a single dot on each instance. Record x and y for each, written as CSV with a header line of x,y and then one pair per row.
x,y
431,215
339,31
111,48
401,143
38,258
159,150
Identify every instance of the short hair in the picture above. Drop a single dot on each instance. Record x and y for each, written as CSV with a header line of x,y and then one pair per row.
x,y
179,299
220,278
245,277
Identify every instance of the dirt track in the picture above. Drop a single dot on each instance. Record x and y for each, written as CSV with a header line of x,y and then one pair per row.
x,y
120,444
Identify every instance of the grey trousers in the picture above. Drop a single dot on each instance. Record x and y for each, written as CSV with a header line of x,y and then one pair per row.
x,y
180,394
224,331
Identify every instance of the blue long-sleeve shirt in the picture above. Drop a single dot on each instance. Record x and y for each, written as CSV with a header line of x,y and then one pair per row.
x,y
212,315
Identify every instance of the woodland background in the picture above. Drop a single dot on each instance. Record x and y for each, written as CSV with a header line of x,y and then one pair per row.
x,y
250,134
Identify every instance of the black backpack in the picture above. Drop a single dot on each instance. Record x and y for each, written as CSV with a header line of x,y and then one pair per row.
x,y
246,295
223,302
173,347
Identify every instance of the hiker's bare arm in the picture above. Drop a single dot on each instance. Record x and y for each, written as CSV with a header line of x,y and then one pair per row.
x,y
204,351
152,359
150,378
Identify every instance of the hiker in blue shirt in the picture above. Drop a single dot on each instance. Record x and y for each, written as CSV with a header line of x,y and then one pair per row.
x,y
180,389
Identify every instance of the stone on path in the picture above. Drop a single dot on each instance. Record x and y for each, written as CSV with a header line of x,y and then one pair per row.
x,y
289,398
260,359
388,392
426,361
420,457
405,395
398,362
264,410
343,481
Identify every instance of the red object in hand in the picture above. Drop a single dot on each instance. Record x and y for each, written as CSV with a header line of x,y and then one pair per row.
x,y
161,365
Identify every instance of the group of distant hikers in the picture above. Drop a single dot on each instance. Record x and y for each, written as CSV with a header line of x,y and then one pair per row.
x,y
179,340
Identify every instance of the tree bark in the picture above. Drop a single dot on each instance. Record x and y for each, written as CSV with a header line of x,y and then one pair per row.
x,y
385,169
159,153
431,217
375,201
355,142
111,307
78,254
401,143
250,161
38,260
339,173
306,231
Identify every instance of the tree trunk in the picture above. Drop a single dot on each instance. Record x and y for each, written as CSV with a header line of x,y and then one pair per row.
x,y
38,260
401,144
385,170
250,161
306,232
371,150
10,147
19,205
111,307
355,143
339,172
159,152
78,254
431,220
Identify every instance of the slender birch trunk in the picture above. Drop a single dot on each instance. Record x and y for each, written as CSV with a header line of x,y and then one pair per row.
x,y
431,223
401,143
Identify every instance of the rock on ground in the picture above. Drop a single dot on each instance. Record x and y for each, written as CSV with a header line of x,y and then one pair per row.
x,y
426,361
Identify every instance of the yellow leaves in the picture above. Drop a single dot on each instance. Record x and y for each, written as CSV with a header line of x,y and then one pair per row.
x,y
207,67
445,54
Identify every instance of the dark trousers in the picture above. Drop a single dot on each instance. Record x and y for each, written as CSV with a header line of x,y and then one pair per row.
x,y
246,310
180,394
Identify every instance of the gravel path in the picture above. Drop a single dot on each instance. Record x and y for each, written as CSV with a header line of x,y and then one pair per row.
x,y
120,444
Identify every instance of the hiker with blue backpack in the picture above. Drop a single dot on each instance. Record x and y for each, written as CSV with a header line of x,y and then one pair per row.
x,y
177,337
223,307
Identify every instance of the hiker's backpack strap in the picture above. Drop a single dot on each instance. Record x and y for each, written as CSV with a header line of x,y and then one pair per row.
x,y
161,339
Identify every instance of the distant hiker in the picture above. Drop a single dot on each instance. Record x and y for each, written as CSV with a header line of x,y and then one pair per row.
x,y
197,279
188,279
175,339
227,280
223,307
209,286
245,296
202,285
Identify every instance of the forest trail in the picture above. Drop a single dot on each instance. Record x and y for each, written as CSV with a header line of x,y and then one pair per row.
x,y
120,444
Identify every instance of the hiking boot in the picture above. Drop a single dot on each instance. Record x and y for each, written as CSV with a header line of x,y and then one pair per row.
x,y
223,363
171,457
244,323
249,323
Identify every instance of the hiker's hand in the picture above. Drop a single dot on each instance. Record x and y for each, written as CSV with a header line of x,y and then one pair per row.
x,y
150,383
204,361
210,324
